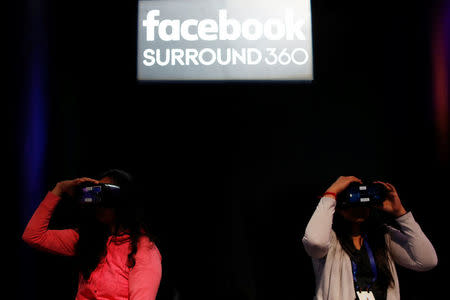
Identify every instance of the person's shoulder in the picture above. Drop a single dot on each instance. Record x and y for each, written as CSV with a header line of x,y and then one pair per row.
x,y
145,243
145,240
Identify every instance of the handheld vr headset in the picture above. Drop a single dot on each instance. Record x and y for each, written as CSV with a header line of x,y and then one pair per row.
x,y
356,194
102,194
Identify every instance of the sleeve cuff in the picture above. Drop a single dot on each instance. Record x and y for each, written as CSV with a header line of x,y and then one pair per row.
x,y
51,199
405,219
328,201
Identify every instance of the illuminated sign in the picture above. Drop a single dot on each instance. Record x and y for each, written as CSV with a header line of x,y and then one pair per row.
x,y
224,40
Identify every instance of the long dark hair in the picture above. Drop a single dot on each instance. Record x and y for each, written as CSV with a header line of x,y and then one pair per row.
x,y
91,247
374,229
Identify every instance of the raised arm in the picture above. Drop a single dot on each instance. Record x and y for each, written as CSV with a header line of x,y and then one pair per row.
x,y
317,237
145,276
409,246
38,235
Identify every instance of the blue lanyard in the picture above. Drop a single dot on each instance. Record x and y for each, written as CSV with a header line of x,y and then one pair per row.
x,y
373,266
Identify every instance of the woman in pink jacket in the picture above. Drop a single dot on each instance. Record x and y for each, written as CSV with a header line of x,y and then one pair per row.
x,y
116,257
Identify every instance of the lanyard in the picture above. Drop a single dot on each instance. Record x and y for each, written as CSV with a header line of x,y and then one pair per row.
x,y
373,266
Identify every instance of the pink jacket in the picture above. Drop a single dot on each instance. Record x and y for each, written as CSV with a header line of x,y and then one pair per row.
x,y
112,279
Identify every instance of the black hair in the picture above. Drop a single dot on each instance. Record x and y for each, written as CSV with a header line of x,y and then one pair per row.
x,y
129,219
375,229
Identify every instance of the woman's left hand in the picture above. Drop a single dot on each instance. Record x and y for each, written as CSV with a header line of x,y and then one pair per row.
x,y
392,204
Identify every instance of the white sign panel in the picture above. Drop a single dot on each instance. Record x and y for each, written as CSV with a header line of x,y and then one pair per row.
x,y
185,40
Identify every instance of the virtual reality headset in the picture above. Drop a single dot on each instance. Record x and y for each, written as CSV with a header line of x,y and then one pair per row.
x,y
102,194
356,194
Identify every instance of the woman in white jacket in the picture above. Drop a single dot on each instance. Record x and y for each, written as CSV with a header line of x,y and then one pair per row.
x,y
353,252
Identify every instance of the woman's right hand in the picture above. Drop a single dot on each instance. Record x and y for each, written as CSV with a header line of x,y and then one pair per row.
x,y
341,184
68,186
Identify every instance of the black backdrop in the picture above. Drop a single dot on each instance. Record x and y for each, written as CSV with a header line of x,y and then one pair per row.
x,y
230,172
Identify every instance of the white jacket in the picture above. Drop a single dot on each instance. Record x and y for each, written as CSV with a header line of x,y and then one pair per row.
x,y
408,247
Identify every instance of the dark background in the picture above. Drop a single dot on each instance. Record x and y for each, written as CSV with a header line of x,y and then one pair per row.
x,y
230,171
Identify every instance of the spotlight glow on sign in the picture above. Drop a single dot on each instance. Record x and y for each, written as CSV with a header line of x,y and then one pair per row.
x,y
181,40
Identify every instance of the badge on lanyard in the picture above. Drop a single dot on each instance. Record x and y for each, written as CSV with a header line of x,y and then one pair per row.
x,y
365,295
